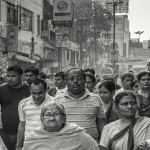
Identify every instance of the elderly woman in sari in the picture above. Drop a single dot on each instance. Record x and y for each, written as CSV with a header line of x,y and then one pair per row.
x,y
56,134
130,130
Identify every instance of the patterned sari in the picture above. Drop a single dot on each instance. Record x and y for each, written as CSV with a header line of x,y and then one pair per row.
x,y
141,133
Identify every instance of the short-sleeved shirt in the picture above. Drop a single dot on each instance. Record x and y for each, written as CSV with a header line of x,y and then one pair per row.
x,y
84,111
30,113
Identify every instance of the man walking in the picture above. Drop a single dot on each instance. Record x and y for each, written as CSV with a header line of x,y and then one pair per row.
x,y
10,96
30,110
82,107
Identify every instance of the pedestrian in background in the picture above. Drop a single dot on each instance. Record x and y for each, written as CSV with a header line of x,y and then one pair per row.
x,y
90,82
106,92
30,74
60,85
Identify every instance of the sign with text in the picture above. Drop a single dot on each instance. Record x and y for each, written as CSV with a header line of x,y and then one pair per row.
x,y
63,13
44,28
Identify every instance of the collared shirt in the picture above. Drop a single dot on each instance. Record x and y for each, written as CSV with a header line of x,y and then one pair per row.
x,y
30,112
83,111
60,91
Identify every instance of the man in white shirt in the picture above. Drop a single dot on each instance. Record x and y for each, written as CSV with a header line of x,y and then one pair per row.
x,y
30,109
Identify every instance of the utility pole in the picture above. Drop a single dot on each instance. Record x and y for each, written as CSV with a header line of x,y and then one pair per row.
x,y
114,52
81,45
139,33
32,46
114,32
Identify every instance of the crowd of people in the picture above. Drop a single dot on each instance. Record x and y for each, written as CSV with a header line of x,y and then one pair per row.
x,y
79,111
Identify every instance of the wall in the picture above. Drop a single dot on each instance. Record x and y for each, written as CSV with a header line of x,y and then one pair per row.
x,y
34,6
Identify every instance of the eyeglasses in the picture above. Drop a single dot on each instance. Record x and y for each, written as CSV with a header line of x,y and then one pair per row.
x,y
127,103
55,115
73,78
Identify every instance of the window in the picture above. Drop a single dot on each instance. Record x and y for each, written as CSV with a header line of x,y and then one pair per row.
x,y
38,24
12,15
26,19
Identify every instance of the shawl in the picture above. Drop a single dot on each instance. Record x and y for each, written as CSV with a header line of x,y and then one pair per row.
x,y
71,137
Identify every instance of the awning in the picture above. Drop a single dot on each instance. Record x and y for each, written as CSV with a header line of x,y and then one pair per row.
x,y
47,45
25,59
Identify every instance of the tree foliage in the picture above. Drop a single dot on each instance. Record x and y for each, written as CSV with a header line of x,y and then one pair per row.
x,y
94,13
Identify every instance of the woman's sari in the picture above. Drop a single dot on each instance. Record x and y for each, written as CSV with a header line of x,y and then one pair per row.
x,y
141,133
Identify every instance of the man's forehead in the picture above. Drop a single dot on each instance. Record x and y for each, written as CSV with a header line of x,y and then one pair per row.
x,y
75,71
40,86
11,73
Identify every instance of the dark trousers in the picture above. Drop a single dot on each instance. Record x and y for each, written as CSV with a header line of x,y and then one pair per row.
x,y
9,140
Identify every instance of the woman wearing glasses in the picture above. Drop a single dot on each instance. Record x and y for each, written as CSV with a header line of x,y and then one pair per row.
x,y
129,131
56,134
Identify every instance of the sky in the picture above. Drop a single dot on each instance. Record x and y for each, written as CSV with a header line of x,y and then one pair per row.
x,y
139,17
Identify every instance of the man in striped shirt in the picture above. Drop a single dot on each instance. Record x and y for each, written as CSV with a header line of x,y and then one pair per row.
x,y
82,107
30,110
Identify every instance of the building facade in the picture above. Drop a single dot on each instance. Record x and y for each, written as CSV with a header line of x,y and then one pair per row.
x,y
21,23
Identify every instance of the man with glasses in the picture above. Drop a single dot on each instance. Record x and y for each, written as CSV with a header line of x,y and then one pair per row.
x,y
30,109
82,107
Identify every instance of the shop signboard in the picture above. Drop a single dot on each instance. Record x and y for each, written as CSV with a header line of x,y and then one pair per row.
x,y
44,28
24,47
63,13
12,38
